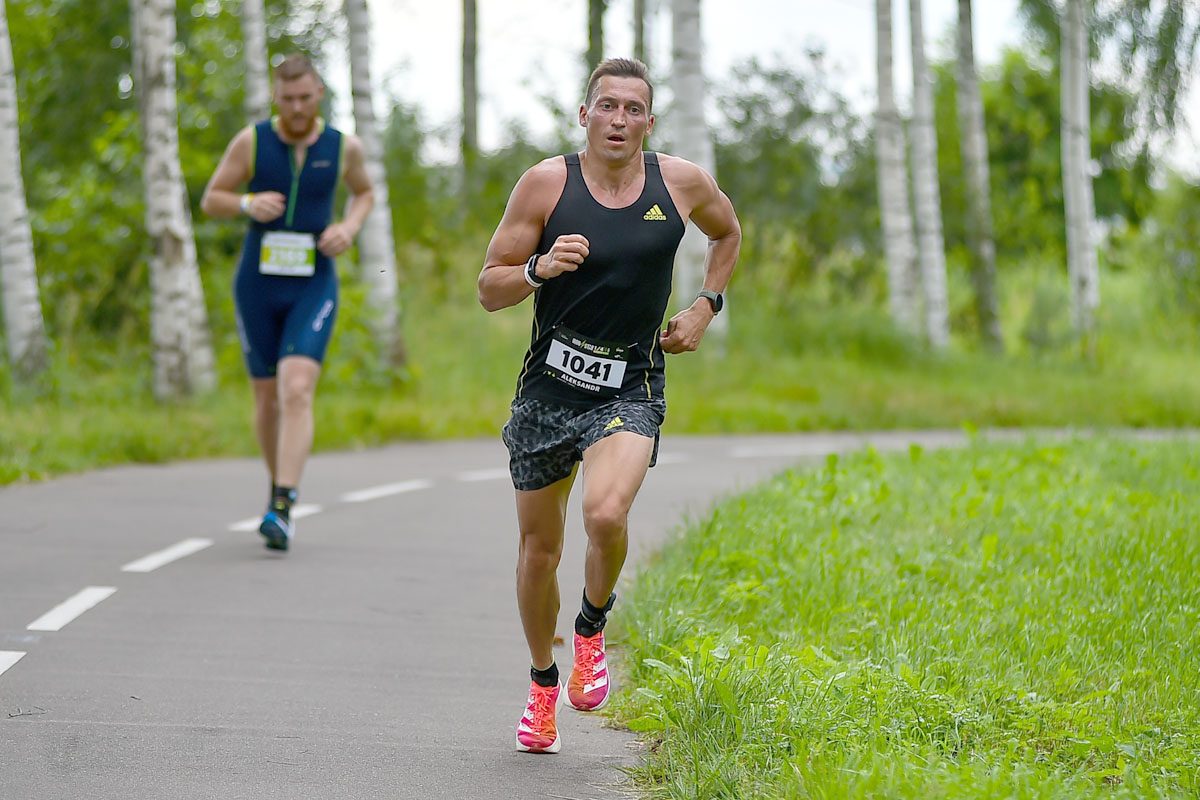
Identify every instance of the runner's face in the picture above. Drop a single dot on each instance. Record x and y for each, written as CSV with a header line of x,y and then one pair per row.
x,y
619,118
299,102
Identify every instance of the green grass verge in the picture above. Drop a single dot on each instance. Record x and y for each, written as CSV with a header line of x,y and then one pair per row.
x,y
1003,621
782,368
96,407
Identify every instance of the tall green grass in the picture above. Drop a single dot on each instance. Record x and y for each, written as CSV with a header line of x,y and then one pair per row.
x,y
788,364
997,622
96,406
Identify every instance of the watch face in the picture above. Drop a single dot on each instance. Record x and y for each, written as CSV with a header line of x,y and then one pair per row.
x,y
716,299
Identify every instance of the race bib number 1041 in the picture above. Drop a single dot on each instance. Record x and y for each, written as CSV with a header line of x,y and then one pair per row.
x,y
597,368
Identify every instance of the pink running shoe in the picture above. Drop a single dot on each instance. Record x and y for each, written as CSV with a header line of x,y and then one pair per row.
x,y
587,688
537,731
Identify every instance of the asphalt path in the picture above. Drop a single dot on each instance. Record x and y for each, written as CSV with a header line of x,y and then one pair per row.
x,y
150,647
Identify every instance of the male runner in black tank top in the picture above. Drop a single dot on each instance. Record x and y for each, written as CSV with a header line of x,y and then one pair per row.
x,y
592,236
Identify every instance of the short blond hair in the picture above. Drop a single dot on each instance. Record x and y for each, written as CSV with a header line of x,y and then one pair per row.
x,y
296,66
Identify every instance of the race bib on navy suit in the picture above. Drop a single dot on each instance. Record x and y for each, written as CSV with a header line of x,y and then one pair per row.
x,y
287,253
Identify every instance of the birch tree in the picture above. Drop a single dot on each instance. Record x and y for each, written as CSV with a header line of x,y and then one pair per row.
x,y
254,54
639,30
24,328
376,245
692,140
892,177
470,98
595,51
1155,40
183,359
931,252
1077,180
973,139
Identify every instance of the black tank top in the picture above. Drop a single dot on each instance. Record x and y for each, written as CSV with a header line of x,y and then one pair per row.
x,y
595,330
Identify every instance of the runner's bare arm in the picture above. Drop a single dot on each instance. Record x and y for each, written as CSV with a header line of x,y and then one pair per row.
x,y
713,214
222,197
502,281
338,237
716,219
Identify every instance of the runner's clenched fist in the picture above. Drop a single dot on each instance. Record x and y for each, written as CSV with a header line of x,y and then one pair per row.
x,y
566,254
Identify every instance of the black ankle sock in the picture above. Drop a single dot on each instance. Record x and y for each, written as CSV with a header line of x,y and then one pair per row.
x,y
545,677
282,498
591,620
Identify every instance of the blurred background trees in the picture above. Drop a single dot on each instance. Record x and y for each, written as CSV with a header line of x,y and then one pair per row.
x,y
799,159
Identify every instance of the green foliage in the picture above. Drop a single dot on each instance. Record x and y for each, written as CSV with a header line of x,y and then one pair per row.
x,y
800,169
785,366
433,205
500,170
1161,37
795,161
809,346
1167,246
811,367
1023,117
410,184
1001,621
1044,328
72,61
81,145
1155,41
798,163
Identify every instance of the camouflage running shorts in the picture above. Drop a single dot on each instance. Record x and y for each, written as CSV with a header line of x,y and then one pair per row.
x,y
545,440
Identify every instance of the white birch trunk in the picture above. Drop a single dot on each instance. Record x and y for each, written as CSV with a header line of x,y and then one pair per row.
x,y
376,244
930,245
892,175
693,141
1077,180
24,328
183,359
595,51
639,31
254,52
470,104
973,136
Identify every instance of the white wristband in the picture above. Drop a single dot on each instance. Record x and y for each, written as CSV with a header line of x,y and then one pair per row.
x,y
244,203
530,272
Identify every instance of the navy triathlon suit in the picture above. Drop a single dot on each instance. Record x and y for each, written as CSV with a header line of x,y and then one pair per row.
x,y
594,365
285,290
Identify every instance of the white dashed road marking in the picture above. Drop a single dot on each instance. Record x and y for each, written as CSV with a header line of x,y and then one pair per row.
x,y
469,476
298,512
771,451
173,553
57,618
8,658
387,490
482,475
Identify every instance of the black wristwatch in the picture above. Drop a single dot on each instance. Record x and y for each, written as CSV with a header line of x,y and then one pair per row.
x,y
715,298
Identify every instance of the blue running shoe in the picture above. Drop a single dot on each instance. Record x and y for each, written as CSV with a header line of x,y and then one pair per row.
x,y
277,529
